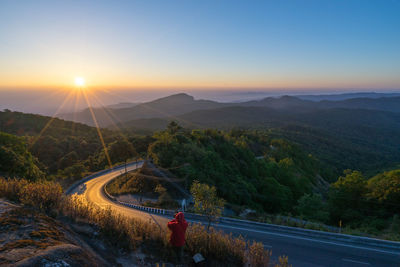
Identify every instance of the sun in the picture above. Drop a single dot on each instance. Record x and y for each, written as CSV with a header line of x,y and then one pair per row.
x,y
79,81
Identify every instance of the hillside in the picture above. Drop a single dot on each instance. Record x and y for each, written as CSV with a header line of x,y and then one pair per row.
x,y
342,138
20,124
228,161
255,169
60,149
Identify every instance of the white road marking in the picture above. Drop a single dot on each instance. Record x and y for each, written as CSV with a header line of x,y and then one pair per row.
x,y
358,262
304,238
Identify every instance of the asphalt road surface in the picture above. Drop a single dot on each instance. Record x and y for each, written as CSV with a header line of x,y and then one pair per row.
x,y
302,250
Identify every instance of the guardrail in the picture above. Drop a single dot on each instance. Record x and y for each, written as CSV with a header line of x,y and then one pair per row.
x,y
148,209
135,206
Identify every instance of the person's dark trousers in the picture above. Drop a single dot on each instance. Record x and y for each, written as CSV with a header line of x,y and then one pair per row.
x,y
178,251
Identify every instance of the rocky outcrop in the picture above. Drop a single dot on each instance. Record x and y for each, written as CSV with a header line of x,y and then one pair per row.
x,y
29,238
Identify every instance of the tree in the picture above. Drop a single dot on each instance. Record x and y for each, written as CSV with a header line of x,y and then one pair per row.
x,y
312,207
206,201
347,197
173,127
15,160
122,150
385,188
68,160
75,171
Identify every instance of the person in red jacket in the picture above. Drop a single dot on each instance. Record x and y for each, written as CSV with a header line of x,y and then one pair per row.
x,y
178,228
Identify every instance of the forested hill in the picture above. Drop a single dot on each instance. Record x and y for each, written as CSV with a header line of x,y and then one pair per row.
x,y
19,123
365,140
248,168
61,149
255,169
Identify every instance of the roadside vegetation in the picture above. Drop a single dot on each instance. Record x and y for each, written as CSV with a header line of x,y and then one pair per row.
x,y
206,201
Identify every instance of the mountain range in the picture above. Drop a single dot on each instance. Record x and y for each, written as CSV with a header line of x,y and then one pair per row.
x,y
362,132
359,132
184,107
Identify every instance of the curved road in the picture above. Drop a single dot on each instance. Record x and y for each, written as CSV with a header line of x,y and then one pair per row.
x,y
303,250
93,192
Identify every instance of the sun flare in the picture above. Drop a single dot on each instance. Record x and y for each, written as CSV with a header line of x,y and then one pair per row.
x,y
79,81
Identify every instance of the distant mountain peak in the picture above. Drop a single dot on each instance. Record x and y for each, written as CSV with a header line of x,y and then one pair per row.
x,y
176,97
281,99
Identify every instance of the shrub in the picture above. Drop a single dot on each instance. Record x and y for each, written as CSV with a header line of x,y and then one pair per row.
x,y
215,244
258,256
10,188
312,208
45,196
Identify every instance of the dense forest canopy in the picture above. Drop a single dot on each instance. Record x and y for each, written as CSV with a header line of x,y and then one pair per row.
x,y
15,159
248,168
65,149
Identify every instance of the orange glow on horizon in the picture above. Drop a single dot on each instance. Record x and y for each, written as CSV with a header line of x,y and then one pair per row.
x,y
102,82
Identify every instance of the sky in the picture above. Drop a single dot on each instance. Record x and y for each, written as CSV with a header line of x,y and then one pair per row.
x,y
201,44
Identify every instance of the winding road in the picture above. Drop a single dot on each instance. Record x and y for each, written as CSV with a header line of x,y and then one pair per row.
x,y
304,247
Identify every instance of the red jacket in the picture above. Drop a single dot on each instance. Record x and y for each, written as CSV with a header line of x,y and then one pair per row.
x,y
178,227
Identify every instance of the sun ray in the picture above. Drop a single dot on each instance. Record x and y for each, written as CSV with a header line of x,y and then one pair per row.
x,y
77,98
51,120
108,112
98,128
110,115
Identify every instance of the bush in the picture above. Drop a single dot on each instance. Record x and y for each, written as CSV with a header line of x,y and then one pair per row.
x,y
216,245
312,207
10,188
258,256
45,196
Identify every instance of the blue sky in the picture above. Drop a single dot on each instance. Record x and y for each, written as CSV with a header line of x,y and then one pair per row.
x,y
201,44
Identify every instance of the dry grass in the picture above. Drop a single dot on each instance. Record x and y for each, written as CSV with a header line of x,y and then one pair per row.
x,y
128,233
45,196
119,230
